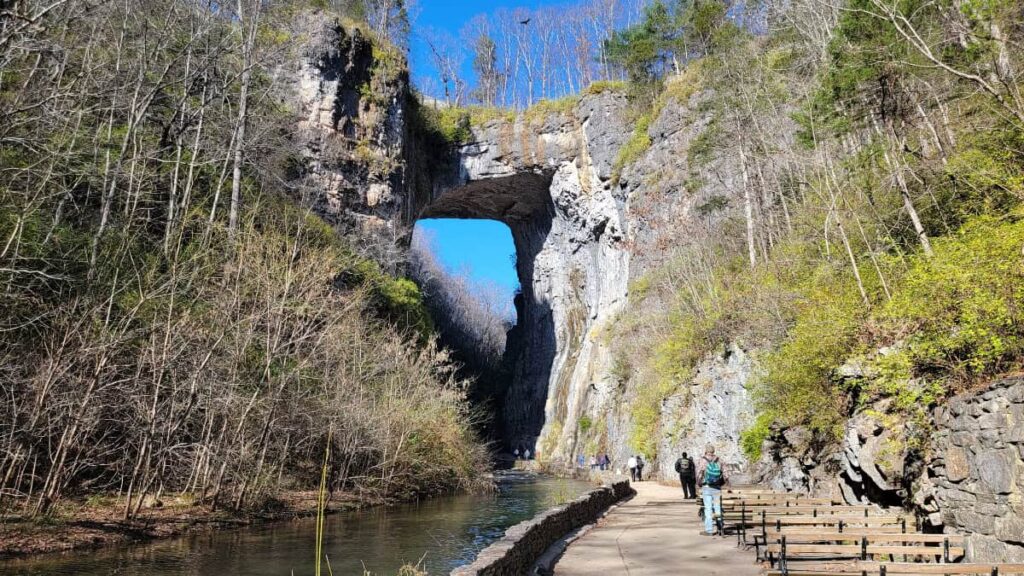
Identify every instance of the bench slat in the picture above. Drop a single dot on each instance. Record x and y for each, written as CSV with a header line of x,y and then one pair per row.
x,y
873,568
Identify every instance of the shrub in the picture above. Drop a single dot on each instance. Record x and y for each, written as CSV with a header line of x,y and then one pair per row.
x,y
797,387
585,424
959,312
753,438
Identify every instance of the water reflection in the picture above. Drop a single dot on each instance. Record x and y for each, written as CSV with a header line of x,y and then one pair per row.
x,y
444,532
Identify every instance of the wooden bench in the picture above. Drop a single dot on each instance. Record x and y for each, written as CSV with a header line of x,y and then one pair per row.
x,y
771,528
779,500
904,568
837,545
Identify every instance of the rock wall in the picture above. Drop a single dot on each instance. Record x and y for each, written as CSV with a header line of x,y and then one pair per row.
x,y
584,227
713,408
869,465
974,480
523,544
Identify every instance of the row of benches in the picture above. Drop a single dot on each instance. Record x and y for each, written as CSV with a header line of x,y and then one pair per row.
x,y
798,535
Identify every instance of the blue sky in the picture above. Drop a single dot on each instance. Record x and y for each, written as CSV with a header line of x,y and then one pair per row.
x,y
451,16
484,248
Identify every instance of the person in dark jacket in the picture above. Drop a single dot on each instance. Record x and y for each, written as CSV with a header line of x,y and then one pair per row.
x,y
687,476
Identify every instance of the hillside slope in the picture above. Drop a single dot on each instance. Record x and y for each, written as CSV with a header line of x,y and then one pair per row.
x,y
177,317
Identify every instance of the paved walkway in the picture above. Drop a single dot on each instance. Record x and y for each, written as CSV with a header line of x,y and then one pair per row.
x,y
654,533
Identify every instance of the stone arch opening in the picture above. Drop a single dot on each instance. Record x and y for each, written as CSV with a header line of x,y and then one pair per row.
x,y
522,201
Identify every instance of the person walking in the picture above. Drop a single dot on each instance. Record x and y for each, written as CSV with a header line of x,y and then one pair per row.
x,y
711,477
639,468
687,476
606,462
631,464
593,463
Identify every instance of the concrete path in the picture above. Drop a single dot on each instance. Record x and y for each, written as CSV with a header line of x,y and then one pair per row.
x,y
654,533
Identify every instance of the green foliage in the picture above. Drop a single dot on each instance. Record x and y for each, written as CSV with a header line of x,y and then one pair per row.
x,y
602,86
454,126
635,147
645,49
585,424
797,386
960,312
397,299
544,109
753,438
645,414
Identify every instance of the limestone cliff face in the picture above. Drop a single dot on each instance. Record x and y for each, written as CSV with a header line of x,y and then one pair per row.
x,y
350,101
549,179
582,226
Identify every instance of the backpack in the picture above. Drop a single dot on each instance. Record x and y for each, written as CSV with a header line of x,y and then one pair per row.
x,y
684,466
713,474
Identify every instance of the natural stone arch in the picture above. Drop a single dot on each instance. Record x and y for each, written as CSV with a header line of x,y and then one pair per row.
x,y
550,181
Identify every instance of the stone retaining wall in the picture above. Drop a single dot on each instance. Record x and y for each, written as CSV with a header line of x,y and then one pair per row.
x,y
517,552
974,480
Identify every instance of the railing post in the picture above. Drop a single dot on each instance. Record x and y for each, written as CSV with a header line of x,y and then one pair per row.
x,y
840,525
945,550
881,570
903,523
864,548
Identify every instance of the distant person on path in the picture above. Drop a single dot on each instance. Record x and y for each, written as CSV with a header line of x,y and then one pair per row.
x,y
711,477
606,462
594,463
631,464
515,453
687,476
526,454
639,468
580,461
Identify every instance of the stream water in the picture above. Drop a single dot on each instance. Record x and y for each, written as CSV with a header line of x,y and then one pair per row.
x,y
443,532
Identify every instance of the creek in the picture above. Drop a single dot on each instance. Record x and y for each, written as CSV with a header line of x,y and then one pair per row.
x,y
441,533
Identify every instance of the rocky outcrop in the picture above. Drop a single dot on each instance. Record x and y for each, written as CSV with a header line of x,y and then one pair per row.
x,y
869,465
579,219
974,481
714,408
349,98
523,544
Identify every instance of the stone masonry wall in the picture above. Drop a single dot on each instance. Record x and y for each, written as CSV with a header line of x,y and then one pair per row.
x,y
974,481
517,552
